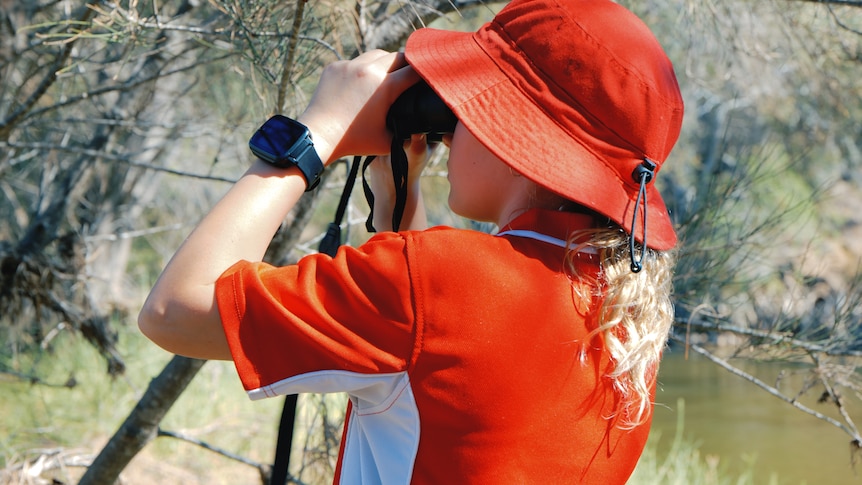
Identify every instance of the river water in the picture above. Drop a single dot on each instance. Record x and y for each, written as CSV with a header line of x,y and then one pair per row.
x,y
733,419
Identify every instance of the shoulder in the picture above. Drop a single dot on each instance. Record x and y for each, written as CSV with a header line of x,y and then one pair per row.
x,y
439,240
450,240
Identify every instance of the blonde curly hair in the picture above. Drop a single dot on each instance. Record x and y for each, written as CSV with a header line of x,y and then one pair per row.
x,y
635,313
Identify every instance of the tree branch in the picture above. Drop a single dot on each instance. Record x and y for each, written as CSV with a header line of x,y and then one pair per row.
x,y
7,124
857,439
846,3
113,158
773,336
263,469
127,86
291,55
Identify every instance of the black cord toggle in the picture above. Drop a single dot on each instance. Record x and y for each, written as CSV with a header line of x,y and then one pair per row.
x,y
642,174
332,240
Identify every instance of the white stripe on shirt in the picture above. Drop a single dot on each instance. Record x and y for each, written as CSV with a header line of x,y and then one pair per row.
x,y
545,238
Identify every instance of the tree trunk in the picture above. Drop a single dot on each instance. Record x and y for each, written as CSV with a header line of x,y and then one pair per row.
x,y
142,425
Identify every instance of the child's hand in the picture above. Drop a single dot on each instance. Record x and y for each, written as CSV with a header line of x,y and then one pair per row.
x,y
379,176
347,114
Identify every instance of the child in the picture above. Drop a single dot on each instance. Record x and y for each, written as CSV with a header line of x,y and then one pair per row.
x,y
528,356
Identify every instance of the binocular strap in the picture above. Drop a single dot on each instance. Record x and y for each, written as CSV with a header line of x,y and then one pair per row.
x,y
398,159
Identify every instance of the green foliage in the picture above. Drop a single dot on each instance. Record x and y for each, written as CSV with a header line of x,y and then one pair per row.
x,y
738,221
51,400
81,409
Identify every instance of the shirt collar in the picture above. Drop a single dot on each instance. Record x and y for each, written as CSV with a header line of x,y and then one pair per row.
x,y
556,224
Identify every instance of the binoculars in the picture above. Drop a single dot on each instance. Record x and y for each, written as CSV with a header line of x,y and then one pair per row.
x,y
420,110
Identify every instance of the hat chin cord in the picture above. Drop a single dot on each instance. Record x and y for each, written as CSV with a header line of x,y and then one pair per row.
x,y
643,174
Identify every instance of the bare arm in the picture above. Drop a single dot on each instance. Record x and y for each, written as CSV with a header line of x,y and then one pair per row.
x,y
346,117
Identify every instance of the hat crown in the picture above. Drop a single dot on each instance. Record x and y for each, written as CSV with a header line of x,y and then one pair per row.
x,y
597,69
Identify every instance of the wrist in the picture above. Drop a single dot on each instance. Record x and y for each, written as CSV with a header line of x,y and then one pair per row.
x,y
286,143
324,135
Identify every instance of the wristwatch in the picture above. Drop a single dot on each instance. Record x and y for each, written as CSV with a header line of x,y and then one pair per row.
x,y
283,142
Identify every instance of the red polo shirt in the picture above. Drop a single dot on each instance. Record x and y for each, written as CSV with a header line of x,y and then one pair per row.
x,y
459,351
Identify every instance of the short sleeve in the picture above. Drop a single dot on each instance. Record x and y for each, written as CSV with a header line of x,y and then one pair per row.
x,y
353,313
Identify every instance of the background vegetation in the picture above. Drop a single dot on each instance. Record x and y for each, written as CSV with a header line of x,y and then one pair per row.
x,y
120,123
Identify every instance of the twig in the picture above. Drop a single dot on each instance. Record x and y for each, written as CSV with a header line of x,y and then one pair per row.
x,y
841,23
34,379
215,449
124,86
49,459
221,32
113,158
137,233
846,3
836,398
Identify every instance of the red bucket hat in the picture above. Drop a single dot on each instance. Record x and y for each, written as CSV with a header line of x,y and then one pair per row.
x,y
576,95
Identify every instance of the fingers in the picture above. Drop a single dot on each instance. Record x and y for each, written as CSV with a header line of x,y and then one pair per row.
x,y
399,62
418,153
416,146
391,68
401,76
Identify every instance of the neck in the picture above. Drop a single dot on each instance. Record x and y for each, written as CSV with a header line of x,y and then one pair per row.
x,y
528,196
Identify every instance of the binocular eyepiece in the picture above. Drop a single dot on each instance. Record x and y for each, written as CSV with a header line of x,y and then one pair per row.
x,y
420,110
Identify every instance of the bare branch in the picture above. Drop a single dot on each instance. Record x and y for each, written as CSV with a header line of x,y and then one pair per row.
x,y
847,3
141,426
127,86
114,158
850,430
34,379
775,337
835,397
139,233
291,56
263,469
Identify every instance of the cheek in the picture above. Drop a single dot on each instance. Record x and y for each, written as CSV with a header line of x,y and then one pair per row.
x,y
462,186
477,179
473,191
456,181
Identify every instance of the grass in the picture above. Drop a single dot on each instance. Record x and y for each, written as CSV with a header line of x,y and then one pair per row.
x,y
682,463
64,426
51,432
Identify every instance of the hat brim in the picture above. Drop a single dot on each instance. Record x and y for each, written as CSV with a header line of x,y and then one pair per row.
x,y
507,122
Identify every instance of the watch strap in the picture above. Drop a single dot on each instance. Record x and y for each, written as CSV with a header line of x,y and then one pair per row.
x,y
306,159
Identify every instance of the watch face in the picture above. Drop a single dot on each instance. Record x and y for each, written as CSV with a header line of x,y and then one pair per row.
x,y
273,141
